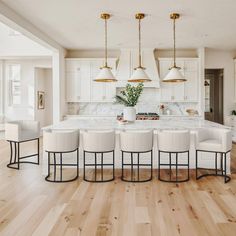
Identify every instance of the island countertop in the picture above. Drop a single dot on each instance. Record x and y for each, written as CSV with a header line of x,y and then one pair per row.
x,y
111,123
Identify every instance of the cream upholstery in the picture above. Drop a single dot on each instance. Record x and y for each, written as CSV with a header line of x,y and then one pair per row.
x,y
136,140
173,140
99,140
60,141
22,130
214,139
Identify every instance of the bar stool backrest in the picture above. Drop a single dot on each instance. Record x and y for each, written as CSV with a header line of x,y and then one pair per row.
x,y
98,140
223,136
60,141
173,140
136,140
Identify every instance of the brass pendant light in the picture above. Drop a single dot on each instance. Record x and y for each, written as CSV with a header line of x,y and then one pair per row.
x,y
174,75
139,74
105,74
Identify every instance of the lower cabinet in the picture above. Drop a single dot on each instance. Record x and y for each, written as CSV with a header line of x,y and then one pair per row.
x,y
80,84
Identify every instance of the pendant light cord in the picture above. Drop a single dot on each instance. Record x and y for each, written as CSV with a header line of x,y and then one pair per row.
x,y
105,42
139,37
174,43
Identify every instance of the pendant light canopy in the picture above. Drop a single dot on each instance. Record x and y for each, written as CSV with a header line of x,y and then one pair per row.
x,y
139,74
174,75
105,74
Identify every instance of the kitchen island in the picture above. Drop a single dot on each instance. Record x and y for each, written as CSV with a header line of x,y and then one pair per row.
x,y
206,160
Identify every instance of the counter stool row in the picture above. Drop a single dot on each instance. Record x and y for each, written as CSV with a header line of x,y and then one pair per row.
x,y
133,144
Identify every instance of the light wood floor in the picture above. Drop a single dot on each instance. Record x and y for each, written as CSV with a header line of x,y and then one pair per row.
x,y
31,206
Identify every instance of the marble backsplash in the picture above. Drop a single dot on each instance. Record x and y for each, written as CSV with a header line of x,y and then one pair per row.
x,y
111,109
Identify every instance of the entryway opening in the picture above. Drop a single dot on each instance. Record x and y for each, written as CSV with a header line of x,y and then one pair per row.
x,y
214,95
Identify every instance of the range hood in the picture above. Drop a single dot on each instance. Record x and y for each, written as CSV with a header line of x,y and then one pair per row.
x,y
128,60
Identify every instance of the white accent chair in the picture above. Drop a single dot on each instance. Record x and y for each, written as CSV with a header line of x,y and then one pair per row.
x,y
17,132
99,142
214,140
136,142
61,142
173,142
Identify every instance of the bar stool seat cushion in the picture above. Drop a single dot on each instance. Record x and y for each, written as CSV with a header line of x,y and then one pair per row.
x,y
210,145
22,130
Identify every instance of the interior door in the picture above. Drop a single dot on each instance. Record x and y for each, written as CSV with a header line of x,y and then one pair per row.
x,y
214,95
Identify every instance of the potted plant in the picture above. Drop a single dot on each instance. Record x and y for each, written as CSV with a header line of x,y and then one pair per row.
x,y
129,97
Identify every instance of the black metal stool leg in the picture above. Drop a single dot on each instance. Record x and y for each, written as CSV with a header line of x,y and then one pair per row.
x,y
176,166
38,144
138,166
102,166
84,167
170,165
222,170
132,167
196,165
55,166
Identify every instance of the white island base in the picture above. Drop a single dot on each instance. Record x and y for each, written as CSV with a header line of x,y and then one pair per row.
x,y
206,160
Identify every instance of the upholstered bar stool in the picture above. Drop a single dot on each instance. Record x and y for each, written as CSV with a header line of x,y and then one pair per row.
x,y
217,141
100,143
17,132
136,143
57,143
173,142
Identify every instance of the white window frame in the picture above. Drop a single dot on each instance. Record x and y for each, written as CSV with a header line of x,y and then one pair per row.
x,y
10,84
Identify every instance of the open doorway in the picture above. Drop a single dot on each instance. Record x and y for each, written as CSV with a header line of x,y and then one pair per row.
x,y
214,95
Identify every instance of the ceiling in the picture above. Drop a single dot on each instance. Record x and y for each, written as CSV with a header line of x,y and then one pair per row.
x,y
14,44
75,24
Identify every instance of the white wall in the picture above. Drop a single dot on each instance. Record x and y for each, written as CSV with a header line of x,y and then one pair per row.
x,y
220,59
26,109
43,82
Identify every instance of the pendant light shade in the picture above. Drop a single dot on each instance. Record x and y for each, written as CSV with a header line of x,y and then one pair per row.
x,y
105,74
139,74
174,75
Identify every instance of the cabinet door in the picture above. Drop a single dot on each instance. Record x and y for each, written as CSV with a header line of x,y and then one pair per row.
x,y
191,85
78,82
166,88
98,93
84,81
72,91
110,88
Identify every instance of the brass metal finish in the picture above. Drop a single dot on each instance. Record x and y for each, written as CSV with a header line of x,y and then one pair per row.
x,y
174,16
105,80
138,80
105,16
139,16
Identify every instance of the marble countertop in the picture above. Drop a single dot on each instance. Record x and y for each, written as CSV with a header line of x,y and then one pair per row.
x,y
112,123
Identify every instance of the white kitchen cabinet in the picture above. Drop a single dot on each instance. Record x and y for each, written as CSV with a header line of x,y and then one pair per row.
x,y
180,92
80,74
78,81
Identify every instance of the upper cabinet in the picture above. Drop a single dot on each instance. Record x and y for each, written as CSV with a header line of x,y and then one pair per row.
x,y
184,91
80,86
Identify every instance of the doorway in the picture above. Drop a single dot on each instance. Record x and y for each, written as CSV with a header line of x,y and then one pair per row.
x,y
214,95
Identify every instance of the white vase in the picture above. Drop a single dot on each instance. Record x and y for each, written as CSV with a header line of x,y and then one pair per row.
x,y
129,114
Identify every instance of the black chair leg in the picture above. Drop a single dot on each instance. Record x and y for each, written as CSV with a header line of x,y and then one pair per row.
x,y
223,167
95,165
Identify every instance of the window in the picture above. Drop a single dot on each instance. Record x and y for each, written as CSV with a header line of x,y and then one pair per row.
x,y
13,74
